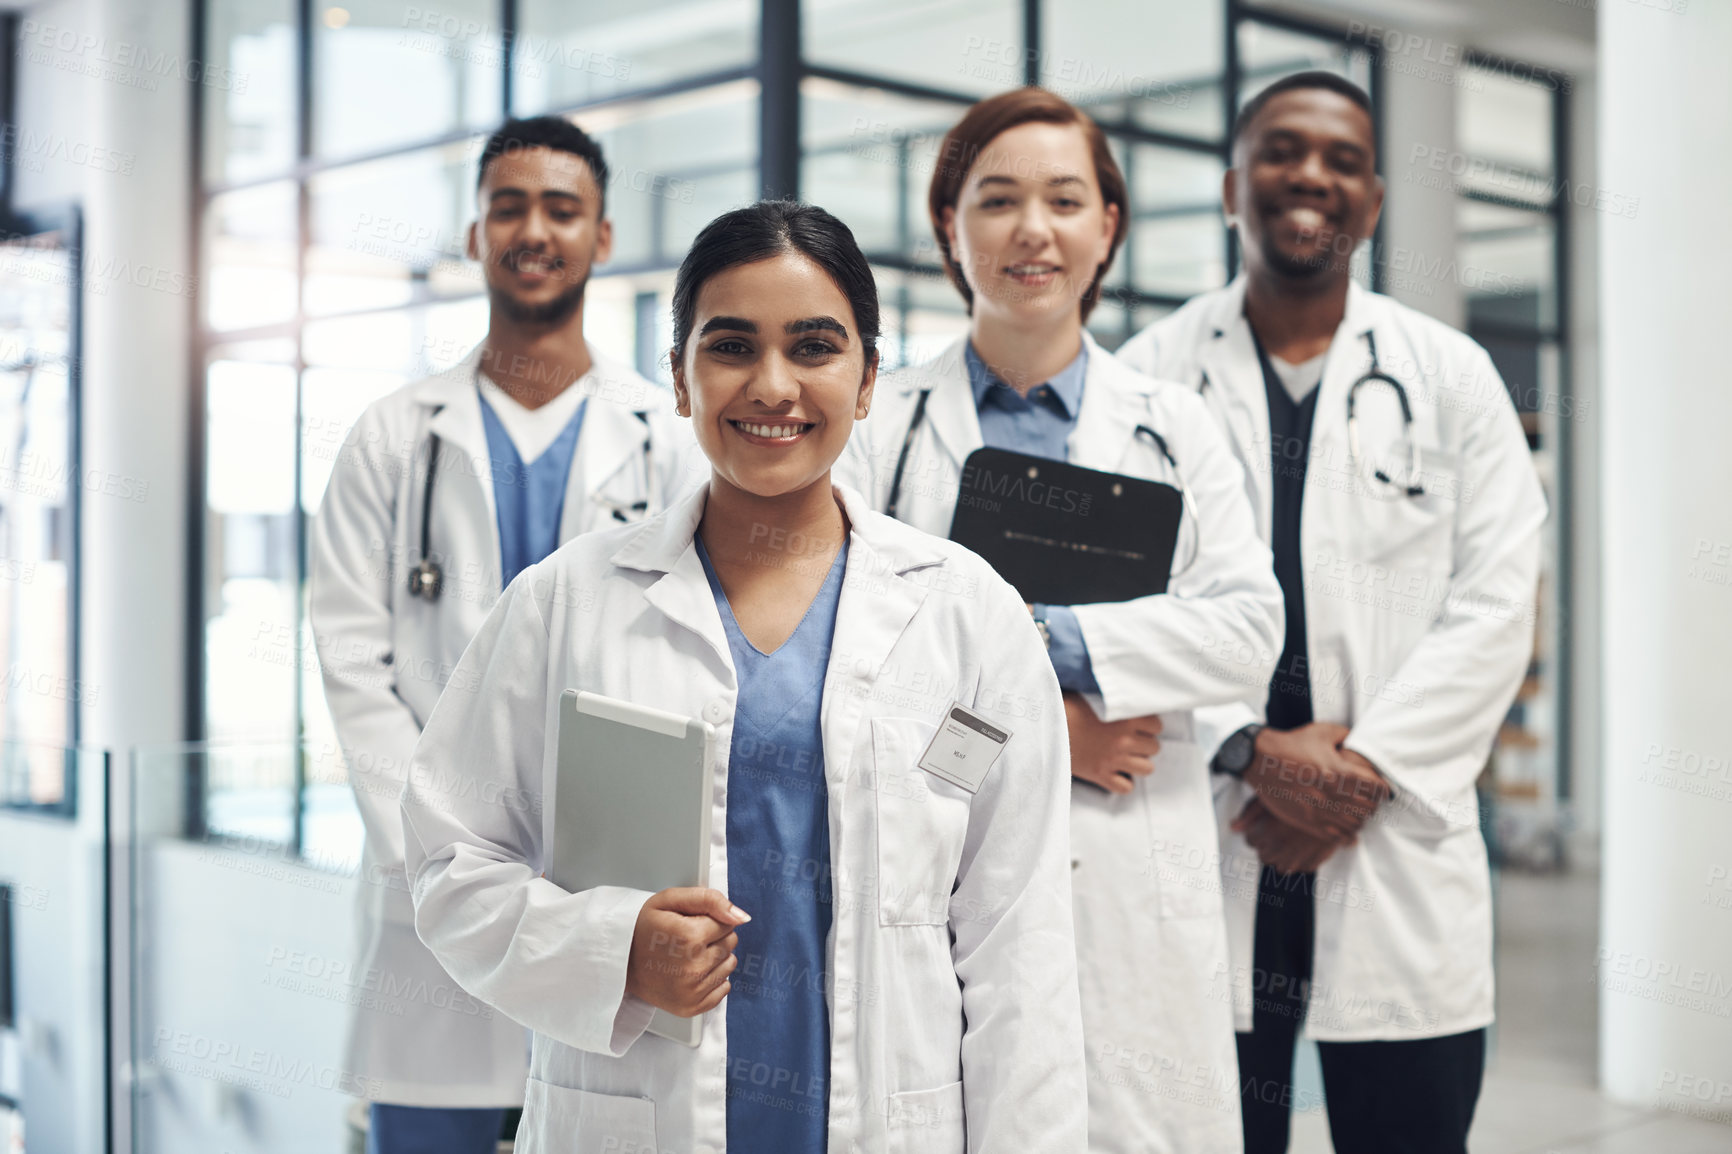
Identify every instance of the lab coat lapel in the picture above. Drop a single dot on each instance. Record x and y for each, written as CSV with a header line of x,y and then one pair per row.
x,y
1228,362
1114,403
610,437
878,601
1349,359
666,544
466,488
950,409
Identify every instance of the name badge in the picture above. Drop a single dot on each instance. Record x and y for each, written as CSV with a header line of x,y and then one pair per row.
x,y
964,748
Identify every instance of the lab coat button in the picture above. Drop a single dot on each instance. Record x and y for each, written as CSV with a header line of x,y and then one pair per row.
x,y
862,667
715,713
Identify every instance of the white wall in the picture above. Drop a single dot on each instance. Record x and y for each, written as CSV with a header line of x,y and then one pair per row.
x,y
1419,209
108,133
1665,966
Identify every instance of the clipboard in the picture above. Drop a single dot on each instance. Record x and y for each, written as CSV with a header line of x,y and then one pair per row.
x,y
632,807
1065,535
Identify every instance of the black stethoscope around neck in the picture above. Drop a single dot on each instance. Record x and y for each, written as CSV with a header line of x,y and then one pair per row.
x,y
895,500
1411,485
426,576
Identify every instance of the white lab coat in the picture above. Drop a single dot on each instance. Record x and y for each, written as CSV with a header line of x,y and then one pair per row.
x,y
1150,936
1419,628
386,655
952,977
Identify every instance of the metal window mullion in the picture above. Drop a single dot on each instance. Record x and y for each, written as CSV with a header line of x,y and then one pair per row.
x,y
1230,80
1031,42
1566,455
779,98
508,53
193,720
1374,89
303,244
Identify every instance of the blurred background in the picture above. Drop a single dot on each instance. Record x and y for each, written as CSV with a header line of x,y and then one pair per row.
x,y
232,224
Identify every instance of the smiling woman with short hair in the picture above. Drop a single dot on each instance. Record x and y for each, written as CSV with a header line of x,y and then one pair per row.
x,y
888,949
1029,208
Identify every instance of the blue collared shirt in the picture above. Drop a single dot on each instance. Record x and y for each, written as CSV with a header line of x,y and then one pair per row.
x,y
1039,424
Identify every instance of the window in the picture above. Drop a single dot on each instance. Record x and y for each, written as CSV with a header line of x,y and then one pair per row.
x,y
333,242
1511,196
40,482
333,248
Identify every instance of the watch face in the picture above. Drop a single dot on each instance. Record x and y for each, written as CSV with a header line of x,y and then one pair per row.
x,y
1236,757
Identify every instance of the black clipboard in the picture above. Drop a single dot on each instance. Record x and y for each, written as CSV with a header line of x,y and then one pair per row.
x,y
1065,535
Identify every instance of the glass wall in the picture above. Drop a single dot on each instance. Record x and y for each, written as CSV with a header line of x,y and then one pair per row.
x,y
337,187
40,484
336,190
1512,196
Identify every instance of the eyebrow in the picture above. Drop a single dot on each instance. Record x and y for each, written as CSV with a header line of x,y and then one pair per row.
x,y
817,324
1054,182
1294,136
548,194
730,324
792,328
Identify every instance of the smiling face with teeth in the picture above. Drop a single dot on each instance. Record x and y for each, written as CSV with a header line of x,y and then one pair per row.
x,y
540,233
1303,191
774,375
1031,229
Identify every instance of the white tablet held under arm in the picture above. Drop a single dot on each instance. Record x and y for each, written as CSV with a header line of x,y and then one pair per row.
x,y
632,807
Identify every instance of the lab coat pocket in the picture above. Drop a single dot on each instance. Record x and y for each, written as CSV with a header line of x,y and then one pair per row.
x,y
1412,534
922,822
561,1120
926,1121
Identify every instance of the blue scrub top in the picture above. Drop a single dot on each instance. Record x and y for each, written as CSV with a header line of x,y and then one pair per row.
x,y
1040,425
530,499
779,872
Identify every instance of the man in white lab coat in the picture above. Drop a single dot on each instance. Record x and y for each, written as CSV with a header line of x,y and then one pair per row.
x,y
444,490
1404,513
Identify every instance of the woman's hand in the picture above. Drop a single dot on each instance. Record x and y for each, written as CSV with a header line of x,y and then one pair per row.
x,y
682,950
1110,754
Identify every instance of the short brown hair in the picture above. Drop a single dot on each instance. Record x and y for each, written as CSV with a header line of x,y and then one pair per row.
x,y
978,128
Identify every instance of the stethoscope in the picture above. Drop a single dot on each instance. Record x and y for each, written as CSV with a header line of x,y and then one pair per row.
x,y
1413,486
427,577
914,422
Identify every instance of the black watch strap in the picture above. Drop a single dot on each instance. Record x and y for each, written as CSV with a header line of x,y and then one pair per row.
x,y
1237,752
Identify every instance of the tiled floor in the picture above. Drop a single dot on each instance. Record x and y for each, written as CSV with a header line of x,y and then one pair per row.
x,y
1540,1095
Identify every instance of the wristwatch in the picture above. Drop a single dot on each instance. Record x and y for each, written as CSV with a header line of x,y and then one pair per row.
x,y
1237,752
1041,627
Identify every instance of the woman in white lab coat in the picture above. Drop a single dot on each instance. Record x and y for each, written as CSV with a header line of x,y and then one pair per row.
x,y
1028,222
947,1014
